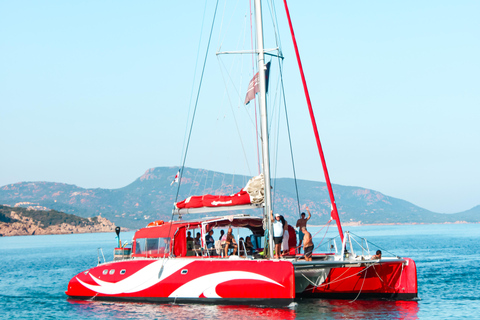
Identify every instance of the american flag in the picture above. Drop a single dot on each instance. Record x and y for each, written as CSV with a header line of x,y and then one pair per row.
x,y
253,86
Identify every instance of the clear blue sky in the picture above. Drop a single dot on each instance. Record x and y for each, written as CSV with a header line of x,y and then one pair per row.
x,y
93,93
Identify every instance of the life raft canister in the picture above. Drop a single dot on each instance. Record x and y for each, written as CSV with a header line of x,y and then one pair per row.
x,y
155,223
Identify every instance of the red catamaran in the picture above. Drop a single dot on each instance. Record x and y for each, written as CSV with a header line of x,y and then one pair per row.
x,y
165,265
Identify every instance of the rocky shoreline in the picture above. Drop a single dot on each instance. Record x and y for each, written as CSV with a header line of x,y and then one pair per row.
x,y
21,225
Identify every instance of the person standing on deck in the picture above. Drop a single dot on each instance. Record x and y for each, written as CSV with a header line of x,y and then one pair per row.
x,y
285,236
197,240
209,241
307,244
277,233
302,222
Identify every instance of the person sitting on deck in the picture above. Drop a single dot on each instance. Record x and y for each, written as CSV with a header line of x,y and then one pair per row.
x,y
249,245
307,244
378,255
209,240
230,242
189,236
221,234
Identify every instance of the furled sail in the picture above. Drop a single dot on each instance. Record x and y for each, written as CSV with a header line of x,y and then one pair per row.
x,y
253,193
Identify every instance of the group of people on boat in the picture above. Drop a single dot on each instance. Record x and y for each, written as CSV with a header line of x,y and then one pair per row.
x,y
281,236
227,244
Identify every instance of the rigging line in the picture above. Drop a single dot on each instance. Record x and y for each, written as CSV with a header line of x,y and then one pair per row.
x,y
221,25
361,286
220,61
196,104
280,67
375,245
338,278
229,22
326,225
206,179
223,181
273,14
236,126
359,244
193,82
213,179
326,231
277,137
193,184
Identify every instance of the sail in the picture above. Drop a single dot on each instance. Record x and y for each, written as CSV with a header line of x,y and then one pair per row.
x,y
251,194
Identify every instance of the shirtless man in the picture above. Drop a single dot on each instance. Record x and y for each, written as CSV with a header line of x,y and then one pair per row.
x,y
230,242
302,222
307,244
378,255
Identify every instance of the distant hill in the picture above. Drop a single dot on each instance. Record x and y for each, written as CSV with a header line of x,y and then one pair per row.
x,y
15,221
151,197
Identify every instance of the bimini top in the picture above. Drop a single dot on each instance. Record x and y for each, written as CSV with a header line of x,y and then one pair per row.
x,y
169,238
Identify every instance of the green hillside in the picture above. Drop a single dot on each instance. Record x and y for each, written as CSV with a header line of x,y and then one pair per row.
x,y
44,218
151,197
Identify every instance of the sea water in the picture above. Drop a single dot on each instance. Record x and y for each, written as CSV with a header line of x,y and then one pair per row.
x,y
35,270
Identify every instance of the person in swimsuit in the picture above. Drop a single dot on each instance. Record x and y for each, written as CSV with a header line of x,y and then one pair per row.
x,y
378,255
302,222
307,244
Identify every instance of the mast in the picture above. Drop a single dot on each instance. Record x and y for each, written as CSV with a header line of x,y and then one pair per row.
x,y
263,120
334,213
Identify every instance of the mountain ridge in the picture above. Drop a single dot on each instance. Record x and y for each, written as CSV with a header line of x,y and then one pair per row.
x,y
151,197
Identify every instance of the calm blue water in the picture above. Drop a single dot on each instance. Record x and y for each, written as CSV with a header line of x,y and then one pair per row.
x,y
35,271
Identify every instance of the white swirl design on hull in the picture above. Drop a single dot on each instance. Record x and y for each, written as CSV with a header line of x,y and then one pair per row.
x,y
140,280
149,276
208,283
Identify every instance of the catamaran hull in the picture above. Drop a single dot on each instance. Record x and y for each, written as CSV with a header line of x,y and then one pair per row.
x,y
393,280
225,281
218,281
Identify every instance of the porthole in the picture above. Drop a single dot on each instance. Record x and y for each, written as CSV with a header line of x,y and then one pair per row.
x,y
123,271
105,271
112,271
184,271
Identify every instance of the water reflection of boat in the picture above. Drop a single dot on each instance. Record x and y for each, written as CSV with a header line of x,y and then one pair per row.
x,y
165,265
